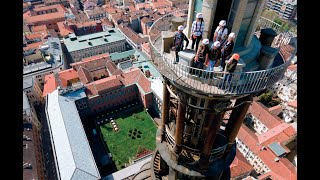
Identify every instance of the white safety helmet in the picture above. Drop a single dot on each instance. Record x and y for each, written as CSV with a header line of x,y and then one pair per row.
x,y
232,35
180,28
222,23
216,44
199,15
205,41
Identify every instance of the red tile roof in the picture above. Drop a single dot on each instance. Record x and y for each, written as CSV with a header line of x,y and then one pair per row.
x,y
283,169
261,112
145,20
67,75
293,104
286,51
144,83
39,28
130,76
30,19
93,62
104,85
64,29
276,109
84,75
50,84
133,35
32,46
277,134
240,166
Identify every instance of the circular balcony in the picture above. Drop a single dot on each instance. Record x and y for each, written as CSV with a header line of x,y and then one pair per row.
x,y
213,83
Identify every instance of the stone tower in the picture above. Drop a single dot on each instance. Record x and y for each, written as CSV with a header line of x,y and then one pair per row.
x,y
202,111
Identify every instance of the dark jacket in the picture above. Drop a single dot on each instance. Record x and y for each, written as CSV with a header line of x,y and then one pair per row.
x,y
232,66
178,40
214,54
227,48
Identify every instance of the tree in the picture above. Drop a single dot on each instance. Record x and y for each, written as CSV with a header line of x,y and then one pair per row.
x,y
266,97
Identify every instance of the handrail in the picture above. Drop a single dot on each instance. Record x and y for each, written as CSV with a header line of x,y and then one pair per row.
x,y
216,83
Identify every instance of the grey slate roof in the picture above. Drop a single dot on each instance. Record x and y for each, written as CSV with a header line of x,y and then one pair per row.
x,y
71,147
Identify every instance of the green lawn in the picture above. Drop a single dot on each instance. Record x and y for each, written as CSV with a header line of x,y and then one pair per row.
x,y
121,146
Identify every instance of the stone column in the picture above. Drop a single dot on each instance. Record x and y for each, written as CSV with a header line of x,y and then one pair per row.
x,y
167,40
176,22
236,119
267,36
208,11
254,22
214,126
266,57
239,13
165,104
180,124
190,18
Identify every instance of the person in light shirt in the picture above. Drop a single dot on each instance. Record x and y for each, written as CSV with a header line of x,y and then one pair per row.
x,y
221,32
197,31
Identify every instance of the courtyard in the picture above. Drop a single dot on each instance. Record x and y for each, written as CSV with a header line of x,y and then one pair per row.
x,y
136,133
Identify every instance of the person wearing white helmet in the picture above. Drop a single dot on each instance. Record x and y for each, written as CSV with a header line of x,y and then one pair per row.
x,y
197,29
214,56
179,37
201,55
226,49
221,32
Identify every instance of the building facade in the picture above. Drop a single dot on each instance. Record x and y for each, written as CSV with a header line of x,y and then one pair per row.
x,y
33,165
80,47
287,9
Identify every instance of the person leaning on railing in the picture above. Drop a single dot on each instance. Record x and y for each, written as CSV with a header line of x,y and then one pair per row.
x,y
221,32
230,67
197,29
177,46
214,56
226,49
201,55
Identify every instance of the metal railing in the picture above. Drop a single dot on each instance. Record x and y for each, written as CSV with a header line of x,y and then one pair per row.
x,y
219,83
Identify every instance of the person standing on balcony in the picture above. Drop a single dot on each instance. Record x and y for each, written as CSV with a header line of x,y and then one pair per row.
x,y
178,42
213,56
231,67
226,49
221,32
201,55
197,29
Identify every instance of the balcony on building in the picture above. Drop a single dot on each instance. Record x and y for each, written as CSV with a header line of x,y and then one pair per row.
x,y
263,61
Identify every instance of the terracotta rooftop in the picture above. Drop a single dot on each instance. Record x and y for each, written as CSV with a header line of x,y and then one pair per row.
x,y
50,84
240,166
286,51
146,20
261,112
283,169
92,62
64,29
160,4
276,109
293,104
281,133
133,35
67,75
84,75
32,46
39,28
30,19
